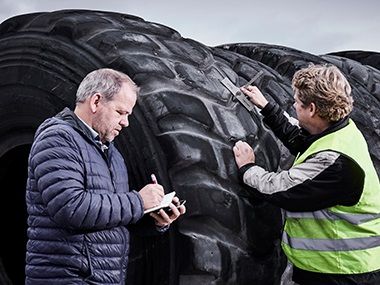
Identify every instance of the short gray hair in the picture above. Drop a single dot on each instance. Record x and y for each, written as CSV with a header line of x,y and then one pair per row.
x,y
105,81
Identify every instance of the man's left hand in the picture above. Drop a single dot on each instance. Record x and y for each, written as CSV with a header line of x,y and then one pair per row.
x,y
163,218
243,154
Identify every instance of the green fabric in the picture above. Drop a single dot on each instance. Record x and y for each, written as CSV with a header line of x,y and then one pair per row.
x,y
360,243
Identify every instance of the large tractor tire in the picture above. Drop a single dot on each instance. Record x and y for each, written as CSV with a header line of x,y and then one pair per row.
x,y
364,80
183,129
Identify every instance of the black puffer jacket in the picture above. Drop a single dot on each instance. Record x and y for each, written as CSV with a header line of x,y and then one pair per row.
x,y
79,205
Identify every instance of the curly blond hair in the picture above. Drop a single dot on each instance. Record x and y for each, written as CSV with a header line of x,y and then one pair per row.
x,y
327,88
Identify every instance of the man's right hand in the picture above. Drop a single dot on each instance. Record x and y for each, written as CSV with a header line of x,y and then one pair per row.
x,y
255,96
152,195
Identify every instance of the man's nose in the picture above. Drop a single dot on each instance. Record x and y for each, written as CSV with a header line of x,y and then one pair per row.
x,y
124,122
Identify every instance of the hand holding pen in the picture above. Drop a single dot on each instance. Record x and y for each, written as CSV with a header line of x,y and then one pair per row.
x,y
168,215
175,201
152,193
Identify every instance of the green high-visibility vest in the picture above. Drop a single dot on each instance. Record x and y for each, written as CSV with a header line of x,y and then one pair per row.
x,y
340,239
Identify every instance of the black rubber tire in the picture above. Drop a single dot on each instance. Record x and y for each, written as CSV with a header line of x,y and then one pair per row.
x,y
370,58
183,129
359,74
286,61
364,80
276,88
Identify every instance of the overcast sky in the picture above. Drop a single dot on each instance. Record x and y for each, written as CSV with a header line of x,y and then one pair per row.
x,y
318,26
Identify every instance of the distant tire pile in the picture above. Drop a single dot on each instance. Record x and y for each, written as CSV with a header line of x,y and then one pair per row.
x,y
183,129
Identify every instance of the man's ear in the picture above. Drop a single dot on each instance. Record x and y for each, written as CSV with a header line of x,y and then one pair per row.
x,y
94,102
312,109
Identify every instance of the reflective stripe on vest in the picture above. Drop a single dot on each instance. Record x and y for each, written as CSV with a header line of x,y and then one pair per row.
x,y
355,219
340,239
332,244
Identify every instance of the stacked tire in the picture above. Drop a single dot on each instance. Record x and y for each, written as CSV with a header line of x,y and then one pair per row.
x,y
183,129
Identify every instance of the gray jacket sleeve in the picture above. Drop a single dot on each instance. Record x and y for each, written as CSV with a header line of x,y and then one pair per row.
x,y
324,180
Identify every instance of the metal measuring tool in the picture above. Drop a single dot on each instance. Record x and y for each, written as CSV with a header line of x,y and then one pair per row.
x,y
238,94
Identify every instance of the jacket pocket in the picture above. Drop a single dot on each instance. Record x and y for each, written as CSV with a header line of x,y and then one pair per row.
x,y
124,238
87,268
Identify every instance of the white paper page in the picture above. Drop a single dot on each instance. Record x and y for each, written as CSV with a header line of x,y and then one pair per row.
x,y
164,203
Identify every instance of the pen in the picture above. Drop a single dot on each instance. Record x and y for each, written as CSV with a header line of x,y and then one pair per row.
x,y
154,179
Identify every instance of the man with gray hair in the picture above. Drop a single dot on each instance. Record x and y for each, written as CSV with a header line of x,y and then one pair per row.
x,y
331,194
78,200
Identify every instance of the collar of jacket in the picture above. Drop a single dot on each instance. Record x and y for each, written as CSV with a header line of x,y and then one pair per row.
x,y
70,118
309,139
